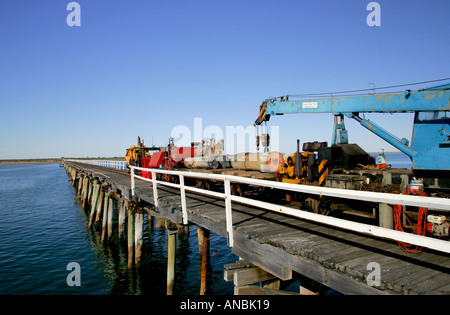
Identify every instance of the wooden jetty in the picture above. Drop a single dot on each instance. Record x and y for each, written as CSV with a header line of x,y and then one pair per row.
x,y
272,246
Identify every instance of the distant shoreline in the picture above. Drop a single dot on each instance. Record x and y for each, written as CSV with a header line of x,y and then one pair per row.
x,y
53,160
30,161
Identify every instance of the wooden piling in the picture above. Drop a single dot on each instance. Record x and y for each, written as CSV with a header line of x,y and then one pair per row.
x,y
94,202
130,237
122,214
83,182
183,232
150,222
110,218
85,191
105,217
138,238
200,240
80,184
74,176
205,261
99,207
90,190
171,238
95,194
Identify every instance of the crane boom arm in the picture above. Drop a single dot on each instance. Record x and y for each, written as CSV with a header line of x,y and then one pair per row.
x,y
426,100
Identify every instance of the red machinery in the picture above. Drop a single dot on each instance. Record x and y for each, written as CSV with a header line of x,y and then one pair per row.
x,y
155,161
169,157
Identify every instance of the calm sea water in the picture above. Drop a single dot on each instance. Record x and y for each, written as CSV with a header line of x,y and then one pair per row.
x,y
43,229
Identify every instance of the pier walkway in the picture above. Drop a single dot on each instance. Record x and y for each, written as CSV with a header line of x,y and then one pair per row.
x,y
282,245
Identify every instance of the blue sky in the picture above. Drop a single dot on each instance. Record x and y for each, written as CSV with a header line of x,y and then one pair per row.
x,y
141,68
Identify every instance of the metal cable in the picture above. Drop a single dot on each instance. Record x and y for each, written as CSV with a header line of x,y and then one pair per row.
x,y
364,90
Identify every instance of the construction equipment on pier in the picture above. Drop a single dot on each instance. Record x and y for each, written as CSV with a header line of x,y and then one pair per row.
x,y
430,143
135,154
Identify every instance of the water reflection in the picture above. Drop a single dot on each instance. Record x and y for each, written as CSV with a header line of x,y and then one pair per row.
x,y
151,277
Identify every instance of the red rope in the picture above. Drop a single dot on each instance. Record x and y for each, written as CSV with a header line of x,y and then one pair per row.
x,y
420,228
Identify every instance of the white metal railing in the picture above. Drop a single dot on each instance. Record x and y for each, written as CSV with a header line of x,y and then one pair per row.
x,y
418,201
121,165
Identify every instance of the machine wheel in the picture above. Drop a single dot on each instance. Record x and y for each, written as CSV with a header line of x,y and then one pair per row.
x,y
314,205
237,190
262,190
206,185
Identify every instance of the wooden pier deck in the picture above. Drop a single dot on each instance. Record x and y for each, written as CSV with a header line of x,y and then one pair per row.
x,y
283,245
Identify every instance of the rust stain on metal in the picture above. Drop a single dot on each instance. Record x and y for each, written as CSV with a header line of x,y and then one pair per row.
x,y
430,96
369,125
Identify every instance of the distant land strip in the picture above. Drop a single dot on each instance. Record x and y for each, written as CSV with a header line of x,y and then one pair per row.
x,y
20,161
53,160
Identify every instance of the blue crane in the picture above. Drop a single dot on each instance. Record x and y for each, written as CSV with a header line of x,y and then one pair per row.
x,y
429,148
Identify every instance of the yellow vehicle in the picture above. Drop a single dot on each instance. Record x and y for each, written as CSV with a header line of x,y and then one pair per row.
x,y
136,153
295,174
303,167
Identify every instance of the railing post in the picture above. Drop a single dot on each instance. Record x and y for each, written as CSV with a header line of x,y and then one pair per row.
x,y
133,184
183,200
229,215
155,190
